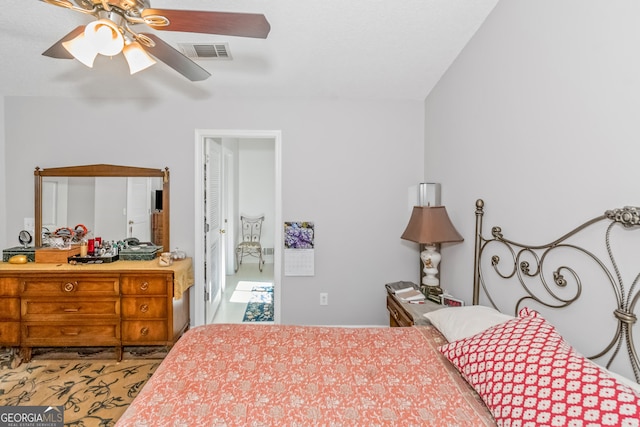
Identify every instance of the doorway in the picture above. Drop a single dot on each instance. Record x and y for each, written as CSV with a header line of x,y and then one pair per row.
x,y
221,185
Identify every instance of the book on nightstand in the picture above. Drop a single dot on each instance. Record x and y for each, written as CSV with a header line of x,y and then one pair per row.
x,y
411,295
398,287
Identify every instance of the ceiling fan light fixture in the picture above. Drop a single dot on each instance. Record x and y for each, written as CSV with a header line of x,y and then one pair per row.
x,y
136,57
105,36
82,49
99,37
110,32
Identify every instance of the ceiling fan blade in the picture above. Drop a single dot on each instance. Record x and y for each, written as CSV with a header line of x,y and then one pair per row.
x,y
174,59
224,23
58,51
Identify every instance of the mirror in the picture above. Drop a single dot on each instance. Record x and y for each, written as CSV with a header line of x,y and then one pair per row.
x,y
113,202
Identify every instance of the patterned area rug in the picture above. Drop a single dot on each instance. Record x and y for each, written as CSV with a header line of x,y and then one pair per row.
x,y
92,392
10,357
260,305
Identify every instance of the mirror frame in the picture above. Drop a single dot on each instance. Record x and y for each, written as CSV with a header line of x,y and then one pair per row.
x,y
102,170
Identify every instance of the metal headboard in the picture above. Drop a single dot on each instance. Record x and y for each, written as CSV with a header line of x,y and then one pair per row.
x,y
528,264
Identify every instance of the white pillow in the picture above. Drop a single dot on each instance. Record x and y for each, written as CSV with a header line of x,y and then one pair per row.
x,y
457,323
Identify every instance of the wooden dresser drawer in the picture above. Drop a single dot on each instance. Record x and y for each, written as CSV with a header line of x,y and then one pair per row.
x,y
144,284
397,315
9,334
71,286
9,286
69,308
70,333
139,331
144,307
10,309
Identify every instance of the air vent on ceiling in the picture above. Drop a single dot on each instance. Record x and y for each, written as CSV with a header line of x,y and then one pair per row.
x,y
205,50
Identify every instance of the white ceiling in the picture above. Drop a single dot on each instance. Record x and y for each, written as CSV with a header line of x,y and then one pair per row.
x,y
370,49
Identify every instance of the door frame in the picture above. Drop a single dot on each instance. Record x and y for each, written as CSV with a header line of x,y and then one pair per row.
x,y
198,313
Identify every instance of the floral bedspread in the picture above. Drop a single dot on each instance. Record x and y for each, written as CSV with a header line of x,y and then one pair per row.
x,y
279,375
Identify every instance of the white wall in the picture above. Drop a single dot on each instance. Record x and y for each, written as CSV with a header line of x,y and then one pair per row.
x,y
346,165
538,116
256,160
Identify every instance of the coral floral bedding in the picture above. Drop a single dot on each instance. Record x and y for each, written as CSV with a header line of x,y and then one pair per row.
x,y
278,375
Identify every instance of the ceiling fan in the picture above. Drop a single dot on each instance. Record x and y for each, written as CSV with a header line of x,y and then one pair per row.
x,y
112,33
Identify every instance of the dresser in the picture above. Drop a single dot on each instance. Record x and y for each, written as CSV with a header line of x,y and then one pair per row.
x,y
125,303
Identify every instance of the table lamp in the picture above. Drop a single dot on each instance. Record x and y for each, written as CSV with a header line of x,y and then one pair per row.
x,y
430,225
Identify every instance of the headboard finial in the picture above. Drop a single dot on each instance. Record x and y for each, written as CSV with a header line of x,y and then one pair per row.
x,y
628,216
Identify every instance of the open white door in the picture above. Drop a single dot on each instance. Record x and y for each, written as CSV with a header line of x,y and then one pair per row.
x,y
203,291
214,231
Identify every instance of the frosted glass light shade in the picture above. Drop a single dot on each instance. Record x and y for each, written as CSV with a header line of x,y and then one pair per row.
x,y
105,36
99,37
81,49
137,58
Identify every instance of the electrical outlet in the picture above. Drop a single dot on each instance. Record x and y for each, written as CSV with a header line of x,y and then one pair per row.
x,y
324,298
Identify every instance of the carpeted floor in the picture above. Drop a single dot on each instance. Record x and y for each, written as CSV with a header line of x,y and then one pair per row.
x,y
260,305
92,392
11,358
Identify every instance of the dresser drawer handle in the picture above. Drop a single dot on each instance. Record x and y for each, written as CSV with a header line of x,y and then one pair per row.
x,y
144,331
70,333
144,308
70,309
69,286
144,286
395,314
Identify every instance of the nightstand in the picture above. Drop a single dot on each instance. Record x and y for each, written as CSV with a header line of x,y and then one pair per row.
x,y
403,314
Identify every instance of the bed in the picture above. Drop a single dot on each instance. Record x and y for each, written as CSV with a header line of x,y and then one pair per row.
x,y
473,366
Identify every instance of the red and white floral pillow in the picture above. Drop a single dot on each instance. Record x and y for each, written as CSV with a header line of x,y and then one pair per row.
x,y
529,376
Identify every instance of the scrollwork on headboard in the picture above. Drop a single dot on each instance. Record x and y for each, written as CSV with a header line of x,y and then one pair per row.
x,y
562,286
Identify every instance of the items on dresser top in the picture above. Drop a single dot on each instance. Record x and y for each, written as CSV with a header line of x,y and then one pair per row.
x,y
410,295
401,286
140,252
29,252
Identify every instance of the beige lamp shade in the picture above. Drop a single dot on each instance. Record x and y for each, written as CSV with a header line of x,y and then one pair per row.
x,y
430,224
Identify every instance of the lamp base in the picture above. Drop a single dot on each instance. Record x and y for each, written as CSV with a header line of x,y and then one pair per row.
x,y
430,259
